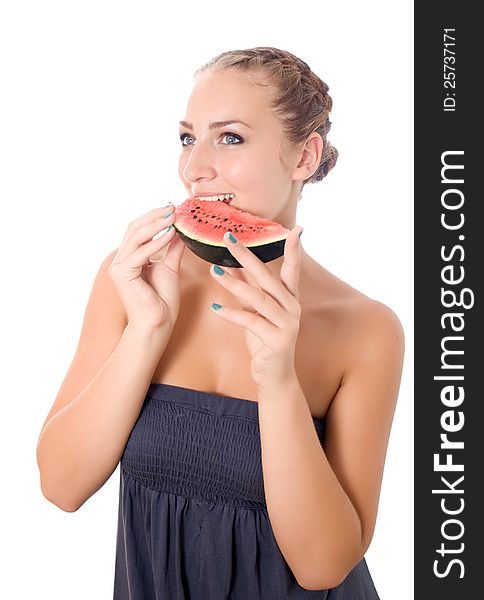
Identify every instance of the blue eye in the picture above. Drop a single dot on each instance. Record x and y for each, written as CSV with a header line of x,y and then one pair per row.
x,y
184,137
232,139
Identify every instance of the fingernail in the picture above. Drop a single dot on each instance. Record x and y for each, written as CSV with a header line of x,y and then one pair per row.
x,y
168,215
170,227
232,238
216,306
166,205
218,270
300,233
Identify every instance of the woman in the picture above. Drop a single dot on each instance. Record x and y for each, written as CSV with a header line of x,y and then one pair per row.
x,y
250,408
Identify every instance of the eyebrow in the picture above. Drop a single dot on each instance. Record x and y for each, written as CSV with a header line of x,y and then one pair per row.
x,y
216,124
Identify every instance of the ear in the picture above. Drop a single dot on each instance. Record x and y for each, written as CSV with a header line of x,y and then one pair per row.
x,y
309,158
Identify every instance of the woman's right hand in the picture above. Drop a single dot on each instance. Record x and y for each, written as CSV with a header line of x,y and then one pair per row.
x,y
149,291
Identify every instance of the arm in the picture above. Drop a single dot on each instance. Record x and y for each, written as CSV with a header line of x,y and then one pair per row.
x,y
322,503
86,430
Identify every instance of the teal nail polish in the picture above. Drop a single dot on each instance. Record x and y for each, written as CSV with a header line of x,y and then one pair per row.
x,y
218,270
232,238
216,306
170,227
300,233
168,215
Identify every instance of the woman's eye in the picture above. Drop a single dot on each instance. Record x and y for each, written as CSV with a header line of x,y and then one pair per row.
x,y
228,139
231,139
187,139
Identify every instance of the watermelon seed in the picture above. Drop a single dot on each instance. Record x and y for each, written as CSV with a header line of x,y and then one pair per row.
x,y
226,219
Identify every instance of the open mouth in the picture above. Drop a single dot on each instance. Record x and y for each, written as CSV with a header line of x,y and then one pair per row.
x,y
227,198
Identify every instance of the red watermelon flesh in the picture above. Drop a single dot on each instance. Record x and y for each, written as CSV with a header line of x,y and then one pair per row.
x,y
202,224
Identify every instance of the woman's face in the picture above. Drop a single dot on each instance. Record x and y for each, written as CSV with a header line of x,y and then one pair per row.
x,y
232,143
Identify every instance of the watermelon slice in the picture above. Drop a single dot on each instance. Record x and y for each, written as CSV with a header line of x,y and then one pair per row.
x,y
202,224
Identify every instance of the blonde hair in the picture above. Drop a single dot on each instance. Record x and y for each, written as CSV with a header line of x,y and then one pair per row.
x,y
300,98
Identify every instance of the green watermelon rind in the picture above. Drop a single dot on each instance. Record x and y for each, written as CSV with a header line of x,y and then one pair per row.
x,y
220,255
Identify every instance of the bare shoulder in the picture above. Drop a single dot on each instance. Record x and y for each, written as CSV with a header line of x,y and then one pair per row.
x,y
369,332
370,323
370,343
328,297
359,332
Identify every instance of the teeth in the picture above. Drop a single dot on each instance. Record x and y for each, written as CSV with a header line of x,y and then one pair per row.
x,y
219,198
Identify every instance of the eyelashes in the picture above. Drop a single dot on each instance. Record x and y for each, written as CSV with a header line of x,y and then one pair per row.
x,y
184,137
236,139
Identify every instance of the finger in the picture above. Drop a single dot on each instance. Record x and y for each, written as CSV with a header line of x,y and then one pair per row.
x,y
174,253
164,252
263,276
145,234
256,324
141,256
291,266
246,277
149,217
251,297
243,275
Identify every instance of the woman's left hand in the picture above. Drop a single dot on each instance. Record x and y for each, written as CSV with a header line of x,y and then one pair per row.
x,y
270,312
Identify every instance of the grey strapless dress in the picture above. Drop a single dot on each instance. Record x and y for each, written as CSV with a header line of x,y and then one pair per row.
x,y
192,521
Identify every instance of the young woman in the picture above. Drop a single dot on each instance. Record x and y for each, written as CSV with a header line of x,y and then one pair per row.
x,y
250,408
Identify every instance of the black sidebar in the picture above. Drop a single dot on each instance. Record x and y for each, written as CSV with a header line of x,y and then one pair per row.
x,y
449,332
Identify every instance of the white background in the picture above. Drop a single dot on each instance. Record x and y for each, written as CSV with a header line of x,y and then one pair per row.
x,y
91,96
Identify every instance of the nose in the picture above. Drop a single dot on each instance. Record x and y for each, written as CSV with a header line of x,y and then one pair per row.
x,y
200,165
